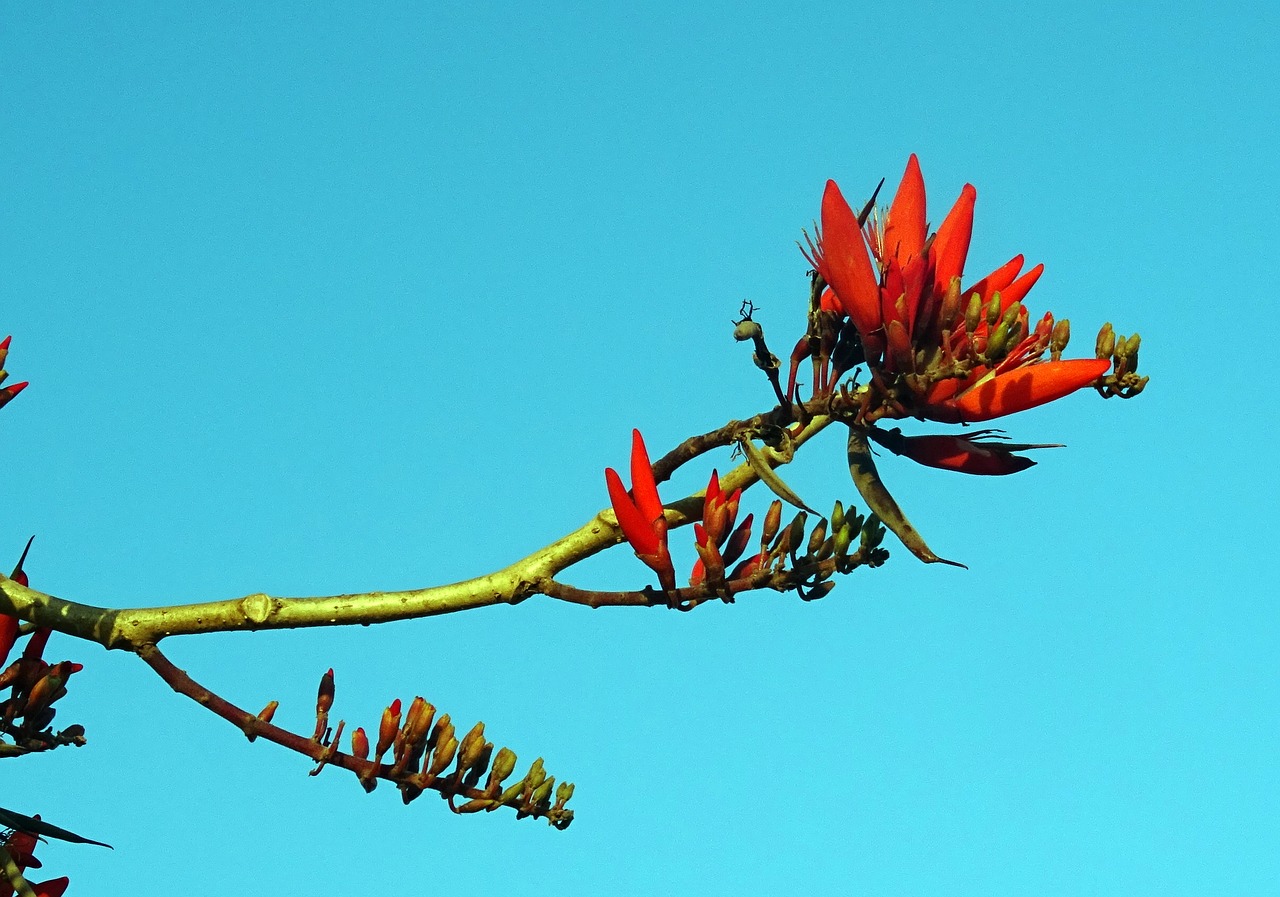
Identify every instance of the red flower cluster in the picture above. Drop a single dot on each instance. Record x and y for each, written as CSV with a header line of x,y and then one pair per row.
x,y
960,355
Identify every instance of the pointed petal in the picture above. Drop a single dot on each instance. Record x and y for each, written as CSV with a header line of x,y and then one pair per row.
x,y
1028,387
1018,290
951,244
997,281
845,263
904,232
635,528
962,456
643,487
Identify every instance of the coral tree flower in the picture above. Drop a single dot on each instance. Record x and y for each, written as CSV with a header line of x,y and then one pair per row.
x,y
640,514
961,354
973,453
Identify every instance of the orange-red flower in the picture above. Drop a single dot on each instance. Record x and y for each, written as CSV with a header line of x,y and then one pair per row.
x,y
965,354
640,514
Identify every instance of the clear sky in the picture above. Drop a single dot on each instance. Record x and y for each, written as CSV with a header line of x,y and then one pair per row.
x,y
320,298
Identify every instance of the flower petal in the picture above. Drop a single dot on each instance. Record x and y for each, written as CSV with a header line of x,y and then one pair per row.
x,y
951,244
1018,290
845,263
904,231
638,531
643,487
995,282
1028,387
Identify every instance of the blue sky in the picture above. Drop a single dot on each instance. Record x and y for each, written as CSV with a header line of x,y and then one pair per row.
x,y
330,298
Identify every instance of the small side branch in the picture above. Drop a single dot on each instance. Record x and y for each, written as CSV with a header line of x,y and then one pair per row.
x,y
422,758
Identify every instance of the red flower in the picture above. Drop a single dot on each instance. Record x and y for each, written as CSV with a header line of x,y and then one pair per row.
x,y
640,513
973,453
963,354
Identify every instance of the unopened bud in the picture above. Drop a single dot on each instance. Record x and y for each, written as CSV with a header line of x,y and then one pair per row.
x,y
973,313
1061,336
324,697
563,793
872,532
817,537
993,310
837,516
998,342
796,531
45,692
543,792
503,765
389,726
360,744
950,303
269,711
1011,314
1106,343
443,756
821,590
1131,346
471,747
536,774
843,539
772,521
512,794
737,543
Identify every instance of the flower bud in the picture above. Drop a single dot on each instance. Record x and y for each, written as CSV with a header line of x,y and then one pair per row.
x,y
973,313
543,792
738,541
993,310
1011,314
1131,346
796,531
817,537
1061,336
389,727
536,774
843,539
324,697
837,516
503,765
950,303
998,342
1106,343
443,755
360,744
472,746
563,793
772,521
